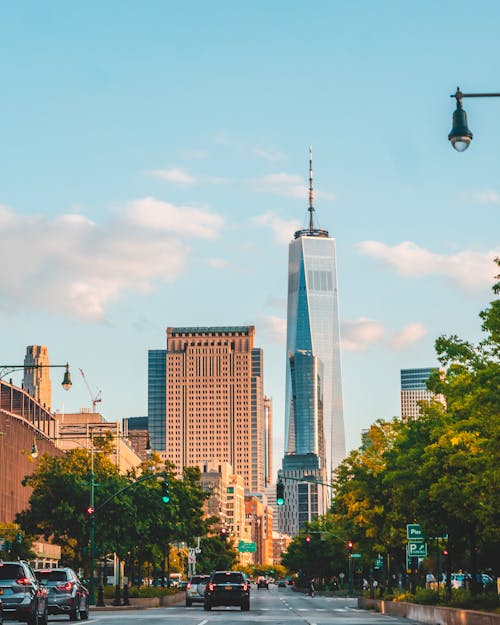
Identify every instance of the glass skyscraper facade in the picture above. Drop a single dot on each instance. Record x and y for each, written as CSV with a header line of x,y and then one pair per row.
x,y
157,367
314,411
313,335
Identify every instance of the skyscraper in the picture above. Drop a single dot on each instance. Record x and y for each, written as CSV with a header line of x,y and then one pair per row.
x,y
206,400
314,420
414,389
37,374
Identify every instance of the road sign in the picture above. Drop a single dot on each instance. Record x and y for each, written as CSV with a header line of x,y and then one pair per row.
x,y
355,555
414,532
247,547
417,550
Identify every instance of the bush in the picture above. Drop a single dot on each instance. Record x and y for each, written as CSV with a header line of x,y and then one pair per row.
x,y
427,596
135,592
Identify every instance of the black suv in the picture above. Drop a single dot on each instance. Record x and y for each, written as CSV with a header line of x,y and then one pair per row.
x,y
23,597
67,594
227,588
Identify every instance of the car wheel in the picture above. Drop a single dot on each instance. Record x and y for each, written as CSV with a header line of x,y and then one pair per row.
x,y
33,619
74,613
189,603
207,607
45,618
245,606
84,614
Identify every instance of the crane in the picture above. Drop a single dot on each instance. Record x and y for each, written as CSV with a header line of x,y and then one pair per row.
x,y
95,398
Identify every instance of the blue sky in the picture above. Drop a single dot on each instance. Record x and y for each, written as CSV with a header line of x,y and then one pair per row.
x,y
153,167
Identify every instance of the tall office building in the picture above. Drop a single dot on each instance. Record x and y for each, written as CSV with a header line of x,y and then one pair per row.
x,y
414,389
206,400
37,374
268,440
314,420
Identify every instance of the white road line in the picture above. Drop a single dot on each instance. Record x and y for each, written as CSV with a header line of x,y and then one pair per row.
x,y
203,621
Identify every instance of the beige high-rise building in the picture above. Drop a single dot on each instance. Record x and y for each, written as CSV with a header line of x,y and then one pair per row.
x,y
214,401
37,374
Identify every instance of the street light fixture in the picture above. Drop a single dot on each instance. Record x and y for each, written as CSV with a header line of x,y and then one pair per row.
x,y
460,136
66,383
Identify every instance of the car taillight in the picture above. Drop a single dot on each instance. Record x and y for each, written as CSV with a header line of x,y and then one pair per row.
x,y
245,586
67,586
23,581
188,585
211,586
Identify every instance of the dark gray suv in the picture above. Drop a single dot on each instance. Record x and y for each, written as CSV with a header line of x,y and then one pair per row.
x,y
227,588
23,597
67,594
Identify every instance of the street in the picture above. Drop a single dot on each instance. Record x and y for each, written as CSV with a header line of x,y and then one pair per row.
x,y
277,606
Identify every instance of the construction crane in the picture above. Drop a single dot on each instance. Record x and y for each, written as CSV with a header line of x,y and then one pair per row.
x,y
95,398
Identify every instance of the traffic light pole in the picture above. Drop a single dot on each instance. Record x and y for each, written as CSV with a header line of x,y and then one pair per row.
x,y
351,585
93,512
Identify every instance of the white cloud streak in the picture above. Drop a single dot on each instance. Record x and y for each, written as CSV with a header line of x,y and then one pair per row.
x,y
272,329
73,266
173,174
361,334
413,333
282,229
468,270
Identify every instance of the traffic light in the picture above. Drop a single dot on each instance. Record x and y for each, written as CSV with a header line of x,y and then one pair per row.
x,y
308,540
19,538
350,546
90,511
165,492
445,553
223,533
280,494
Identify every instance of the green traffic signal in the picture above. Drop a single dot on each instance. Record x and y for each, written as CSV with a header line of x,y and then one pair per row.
x,y
165,496
280,494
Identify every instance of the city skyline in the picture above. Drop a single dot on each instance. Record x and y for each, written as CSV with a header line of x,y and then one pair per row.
x,y
156,177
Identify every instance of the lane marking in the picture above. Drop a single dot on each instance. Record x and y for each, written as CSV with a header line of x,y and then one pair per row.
x,y
203,621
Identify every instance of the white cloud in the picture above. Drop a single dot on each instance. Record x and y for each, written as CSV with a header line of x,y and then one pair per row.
x,y
488,196
409,335
173,174
158,215
272,329
468,270
217,263
359,335
75,267
269,155
283,229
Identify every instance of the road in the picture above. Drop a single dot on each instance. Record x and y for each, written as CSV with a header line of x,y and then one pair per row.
x,y
277,606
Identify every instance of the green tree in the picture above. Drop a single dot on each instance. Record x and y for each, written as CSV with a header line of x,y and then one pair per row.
x,y
216,555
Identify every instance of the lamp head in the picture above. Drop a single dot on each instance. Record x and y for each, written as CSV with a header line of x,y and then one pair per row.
x,y
460,135
34,449
66,383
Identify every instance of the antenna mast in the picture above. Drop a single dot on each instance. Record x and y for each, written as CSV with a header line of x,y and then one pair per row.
x,y
311,192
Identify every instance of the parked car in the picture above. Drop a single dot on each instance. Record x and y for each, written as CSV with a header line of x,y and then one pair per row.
x,y
262,582
23,596
1,613
227,588
66,592
195,589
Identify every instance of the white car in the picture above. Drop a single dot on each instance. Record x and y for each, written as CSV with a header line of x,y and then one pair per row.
x,y
195,589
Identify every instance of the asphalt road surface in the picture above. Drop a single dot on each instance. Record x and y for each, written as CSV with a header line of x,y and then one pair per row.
x,y
277,606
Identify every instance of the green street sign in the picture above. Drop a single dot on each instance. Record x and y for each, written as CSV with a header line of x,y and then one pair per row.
x,y
414,532
417,550
355,555
247,547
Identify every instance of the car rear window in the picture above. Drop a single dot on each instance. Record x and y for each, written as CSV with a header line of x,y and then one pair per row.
x,y
52,576
198,579
11,571
229,577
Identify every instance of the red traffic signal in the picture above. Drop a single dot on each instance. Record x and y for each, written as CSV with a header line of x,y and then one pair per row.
x,y
445,552
223,533
350,546
90,510
308,540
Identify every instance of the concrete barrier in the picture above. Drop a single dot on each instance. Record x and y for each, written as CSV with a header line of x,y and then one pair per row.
x,y
433,614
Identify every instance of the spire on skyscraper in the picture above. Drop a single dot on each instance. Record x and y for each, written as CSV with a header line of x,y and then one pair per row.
x,y
313,229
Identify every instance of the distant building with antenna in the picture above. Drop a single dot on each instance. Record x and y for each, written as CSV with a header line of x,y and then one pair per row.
x,y
314,416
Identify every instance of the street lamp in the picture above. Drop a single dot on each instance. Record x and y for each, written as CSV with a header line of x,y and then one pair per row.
x,y
460,135
66,383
